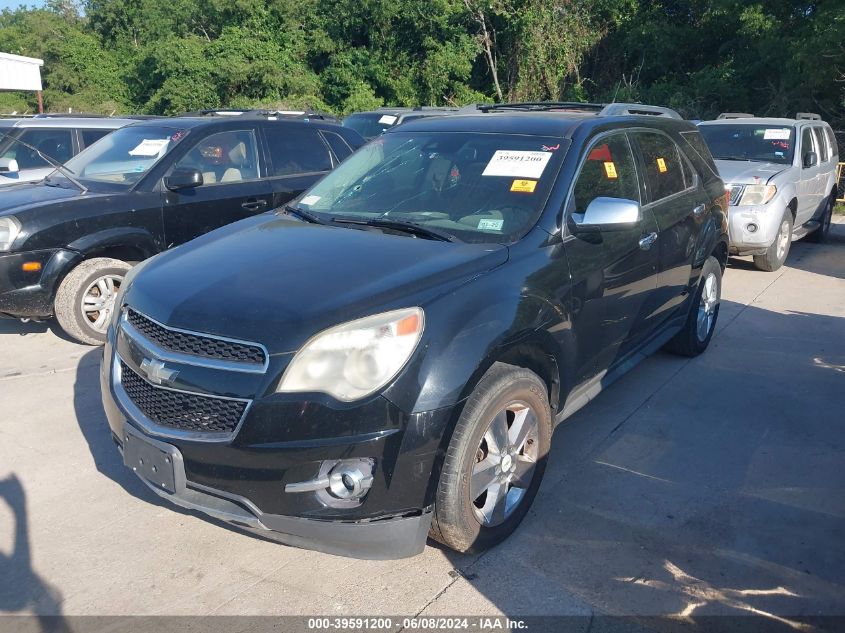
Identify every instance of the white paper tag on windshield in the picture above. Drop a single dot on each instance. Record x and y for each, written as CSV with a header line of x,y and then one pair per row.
x,y
309,199
149,147
515,164
776,135
387,119
487,224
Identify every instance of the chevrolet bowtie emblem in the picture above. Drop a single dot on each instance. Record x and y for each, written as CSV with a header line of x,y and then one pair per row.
x,y
156,371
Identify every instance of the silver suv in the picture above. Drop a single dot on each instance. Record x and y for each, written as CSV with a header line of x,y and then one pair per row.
x,y
57,137
781,176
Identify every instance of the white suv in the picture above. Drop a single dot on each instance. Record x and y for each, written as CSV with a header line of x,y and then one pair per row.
x,y
56,136
781,175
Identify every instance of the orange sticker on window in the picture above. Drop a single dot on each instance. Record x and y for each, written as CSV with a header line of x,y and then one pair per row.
x,y
661,166
610,170
525,186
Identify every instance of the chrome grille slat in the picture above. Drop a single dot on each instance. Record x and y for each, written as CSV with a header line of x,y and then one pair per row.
x,y
195,344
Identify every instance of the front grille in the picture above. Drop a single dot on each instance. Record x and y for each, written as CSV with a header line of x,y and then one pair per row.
x,y
736,194
195,344
181,411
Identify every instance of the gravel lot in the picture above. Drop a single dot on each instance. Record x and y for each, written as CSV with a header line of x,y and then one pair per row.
x,y
706,486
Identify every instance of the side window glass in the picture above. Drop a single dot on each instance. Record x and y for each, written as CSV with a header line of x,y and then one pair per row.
x,y
224,157
834,148
609,171
806,142
296,150
664,169
57,144
339,147
89,137
821,144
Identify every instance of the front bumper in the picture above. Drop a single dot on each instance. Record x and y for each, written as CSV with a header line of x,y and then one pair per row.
x,y
30,294
287,439
754,228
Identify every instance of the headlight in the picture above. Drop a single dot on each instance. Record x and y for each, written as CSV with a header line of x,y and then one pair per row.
x,y
757,194
9,230
355,359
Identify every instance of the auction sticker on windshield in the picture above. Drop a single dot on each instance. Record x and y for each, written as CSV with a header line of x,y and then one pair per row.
x,y
776,134
149,147
387,119
517,164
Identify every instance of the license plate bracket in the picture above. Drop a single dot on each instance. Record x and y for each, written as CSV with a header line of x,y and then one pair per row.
x,y
158,463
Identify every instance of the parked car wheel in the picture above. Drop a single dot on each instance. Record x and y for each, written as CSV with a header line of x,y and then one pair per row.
x,y
820,234
495,461
701,322
775,255
85,300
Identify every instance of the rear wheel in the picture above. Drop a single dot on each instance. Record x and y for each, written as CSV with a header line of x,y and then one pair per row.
x,y
775,255
820,234
701,322
85,300
495,461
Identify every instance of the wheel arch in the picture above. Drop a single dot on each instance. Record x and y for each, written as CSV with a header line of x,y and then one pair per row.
x,y
128,244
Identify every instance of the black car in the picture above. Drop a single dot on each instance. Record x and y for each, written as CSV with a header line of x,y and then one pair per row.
x,y
67,241
388,358
375,122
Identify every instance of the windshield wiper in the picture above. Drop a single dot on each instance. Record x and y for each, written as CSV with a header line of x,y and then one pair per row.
x,y
408,227
302,214
53,163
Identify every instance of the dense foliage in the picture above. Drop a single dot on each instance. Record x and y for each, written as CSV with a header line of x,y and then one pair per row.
x,y
169,56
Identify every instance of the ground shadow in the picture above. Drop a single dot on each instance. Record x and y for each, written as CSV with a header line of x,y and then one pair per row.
x,y
698,488
13,327
21,588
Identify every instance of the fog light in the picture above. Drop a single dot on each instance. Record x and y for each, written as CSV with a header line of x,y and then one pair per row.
x,y
751,227
349,481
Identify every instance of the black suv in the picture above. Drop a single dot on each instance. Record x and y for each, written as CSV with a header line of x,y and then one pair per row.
x,y
387,357
67,242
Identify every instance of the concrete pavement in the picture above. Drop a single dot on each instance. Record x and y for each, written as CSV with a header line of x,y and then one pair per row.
x,y
706,486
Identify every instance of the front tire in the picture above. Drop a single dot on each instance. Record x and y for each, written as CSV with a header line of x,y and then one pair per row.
x,y
495,460
85,300
775,255
704,311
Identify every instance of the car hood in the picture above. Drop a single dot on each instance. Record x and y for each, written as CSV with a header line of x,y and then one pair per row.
x,y
279,281
743,172
18,196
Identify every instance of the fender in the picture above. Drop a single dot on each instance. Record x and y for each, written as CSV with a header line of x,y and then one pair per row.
x,y
127,236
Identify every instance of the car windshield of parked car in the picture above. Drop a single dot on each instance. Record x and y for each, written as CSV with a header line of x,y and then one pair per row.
x,y
370,124
763,143
476,187
125,155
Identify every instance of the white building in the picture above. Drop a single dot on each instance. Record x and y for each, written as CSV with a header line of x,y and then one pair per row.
x,y
21,73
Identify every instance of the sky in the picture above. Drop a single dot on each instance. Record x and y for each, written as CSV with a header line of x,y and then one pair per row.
x,y
14,4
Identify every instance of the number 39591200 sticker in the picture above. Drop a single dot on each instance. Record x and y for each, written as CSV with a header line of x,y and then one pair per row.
x,y
517,164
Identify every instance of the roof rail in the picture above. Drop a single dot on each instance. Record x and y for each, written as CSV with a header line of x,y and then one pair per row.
x,y
735,115
541,106
270,114
637,109
807,116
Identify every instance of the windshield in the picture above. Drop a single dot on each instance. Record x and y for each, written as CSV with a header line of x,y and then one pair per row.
x,y
476,187
370,124
125,155
763,143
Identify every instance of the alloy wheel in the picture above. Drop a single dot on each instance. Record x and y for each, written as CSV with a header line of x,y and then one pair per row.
x,y
98,301
504,464
707,307
783,240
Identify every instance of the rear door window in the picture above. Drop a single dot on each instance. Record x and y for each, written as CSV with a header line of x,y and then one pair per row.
x,y
609,171
339,147
806,142
297,150
89,137
224,157
663,165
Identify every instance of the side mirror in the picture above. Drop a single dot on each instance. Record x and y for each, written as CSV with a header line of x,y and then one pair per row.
x,y
811,159
8,166
183,179
610,214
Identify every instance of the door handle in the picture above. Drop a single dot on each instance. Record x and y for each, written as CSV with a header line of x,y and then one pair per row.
x,y
647,241
254,205
699,210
